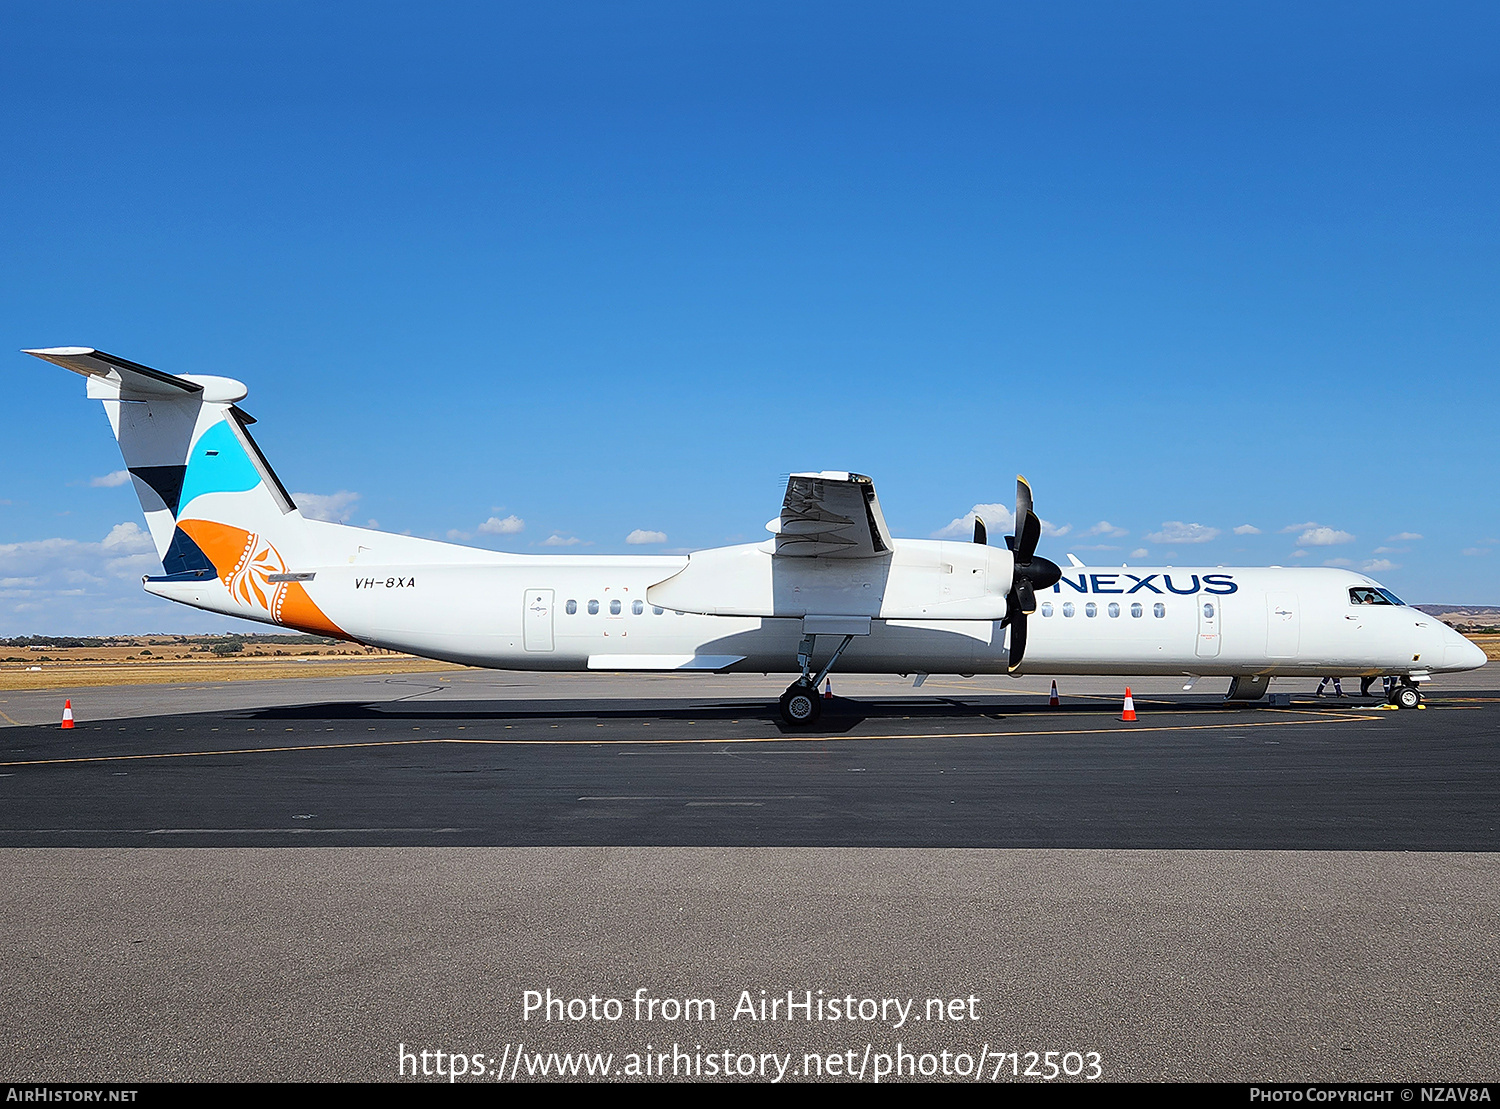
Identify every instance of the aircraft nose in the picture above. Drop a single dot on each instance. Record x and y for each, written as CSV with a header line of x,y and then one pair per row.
x,y
1462,653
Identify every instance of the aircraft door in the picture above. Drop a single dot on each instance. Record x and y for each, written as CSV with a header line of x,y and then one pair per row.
x,y
1283,625
537,620
1208,625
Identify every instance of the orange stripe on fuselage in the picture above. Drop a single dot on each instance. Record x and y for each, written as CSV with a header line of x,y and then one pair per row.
x,y
228,547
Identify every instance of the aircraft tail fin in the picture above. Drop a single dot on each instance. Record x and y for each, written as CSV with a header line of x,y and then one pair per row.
x,y
214,506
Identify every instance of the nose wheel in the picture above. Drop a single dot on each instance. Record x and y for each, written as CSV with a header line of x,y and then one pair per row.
x,y
800,705
1406,697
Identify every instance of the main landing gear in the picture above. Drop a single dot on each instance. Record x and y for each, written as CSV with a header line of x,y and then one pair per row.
x,y
800,705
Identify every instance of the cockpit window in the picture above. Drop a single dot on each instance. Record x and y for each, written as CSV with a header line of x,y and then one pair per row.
x,y
1370,595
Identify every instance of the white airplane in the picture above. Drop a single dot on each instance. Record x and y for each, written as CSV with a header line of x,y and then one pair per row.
x,y
830,587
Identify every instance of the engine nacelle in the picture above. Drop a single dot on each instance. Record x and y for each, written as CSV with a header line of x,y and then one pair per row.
x,y
917,580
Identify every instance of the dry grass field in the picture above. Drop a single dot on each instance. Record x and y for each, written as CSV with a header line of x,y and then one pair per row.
x,y
157,660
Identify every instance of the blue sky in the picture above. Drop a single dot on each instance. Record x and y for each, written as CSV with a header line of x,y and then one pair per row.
x,y
620,268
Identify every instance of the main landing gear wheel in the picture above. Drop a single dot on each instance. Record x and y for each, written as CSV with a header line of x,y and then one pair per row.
x,y
1406,697
800,705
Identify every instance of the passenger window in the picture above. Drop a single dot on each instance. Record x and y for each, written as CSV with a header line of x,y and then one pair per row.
x,y
1158,610
1067,608
1114,609
655,611
638,607
593,608
1046,608
1136,611
1208,610
572,607
614,607
1091,610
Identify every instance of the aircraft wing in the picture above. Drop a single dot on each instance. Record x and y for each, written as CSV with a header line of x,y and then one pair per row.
x,y
830,515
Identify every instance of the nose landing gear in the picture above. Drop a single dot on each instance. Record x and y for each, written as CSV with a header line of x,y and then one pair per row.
x,y
1405,696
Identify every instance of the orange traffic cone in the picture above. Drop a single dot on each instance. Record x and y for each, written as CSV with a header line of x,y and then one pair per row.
x,y
1053,701
68,713
1129,713
827,689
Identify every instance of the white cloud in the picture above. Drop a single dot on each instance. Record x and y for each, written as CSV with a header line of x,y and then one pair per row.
x,y
109,481
1175,531
640,536
997,521
1376,565
1095,547
1391,550
1139,552
1247,529
335,508
508,526
555,540
1298,527
1323,537
455,534
35,574
1299,554
1475,551
127,538
1403,537
1104,527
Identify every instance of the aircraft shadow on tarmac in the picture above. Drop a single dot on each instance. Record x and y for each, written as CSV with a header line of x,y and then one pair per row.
x,y
839,715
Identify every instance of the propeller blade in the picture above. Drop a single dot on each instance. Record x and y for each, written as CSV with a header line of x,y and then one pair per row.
x,y
1025,596
1029,532
1023,501
1017,642
981,535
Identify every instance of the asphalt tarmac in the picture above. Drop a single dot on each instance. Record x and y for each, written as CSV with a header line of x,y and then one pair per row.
x,y
969,770
293,890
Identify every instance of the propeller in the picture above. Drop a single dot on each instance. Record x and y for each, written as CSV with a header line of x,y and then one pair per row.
x,y
1031,573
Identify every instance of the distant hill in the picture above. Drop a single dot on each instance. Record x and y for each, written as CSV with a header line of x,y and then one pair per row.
x,y
1467,618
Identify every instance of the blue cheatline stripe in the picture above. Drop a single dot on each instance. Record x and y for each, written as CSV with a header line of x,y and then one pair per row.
x,y
218,464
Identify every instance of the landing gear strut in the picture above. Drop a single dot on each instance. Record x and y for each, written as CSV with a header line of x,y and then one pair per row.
x,y
800,705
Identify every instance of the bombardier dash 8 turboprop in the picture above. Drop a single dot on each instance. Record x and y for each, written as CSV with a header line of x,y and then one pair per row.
x,y
831,587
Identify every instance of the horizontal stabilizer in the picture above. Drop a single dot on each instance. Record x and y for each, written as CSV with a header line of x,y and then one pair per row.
x,y
111,376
